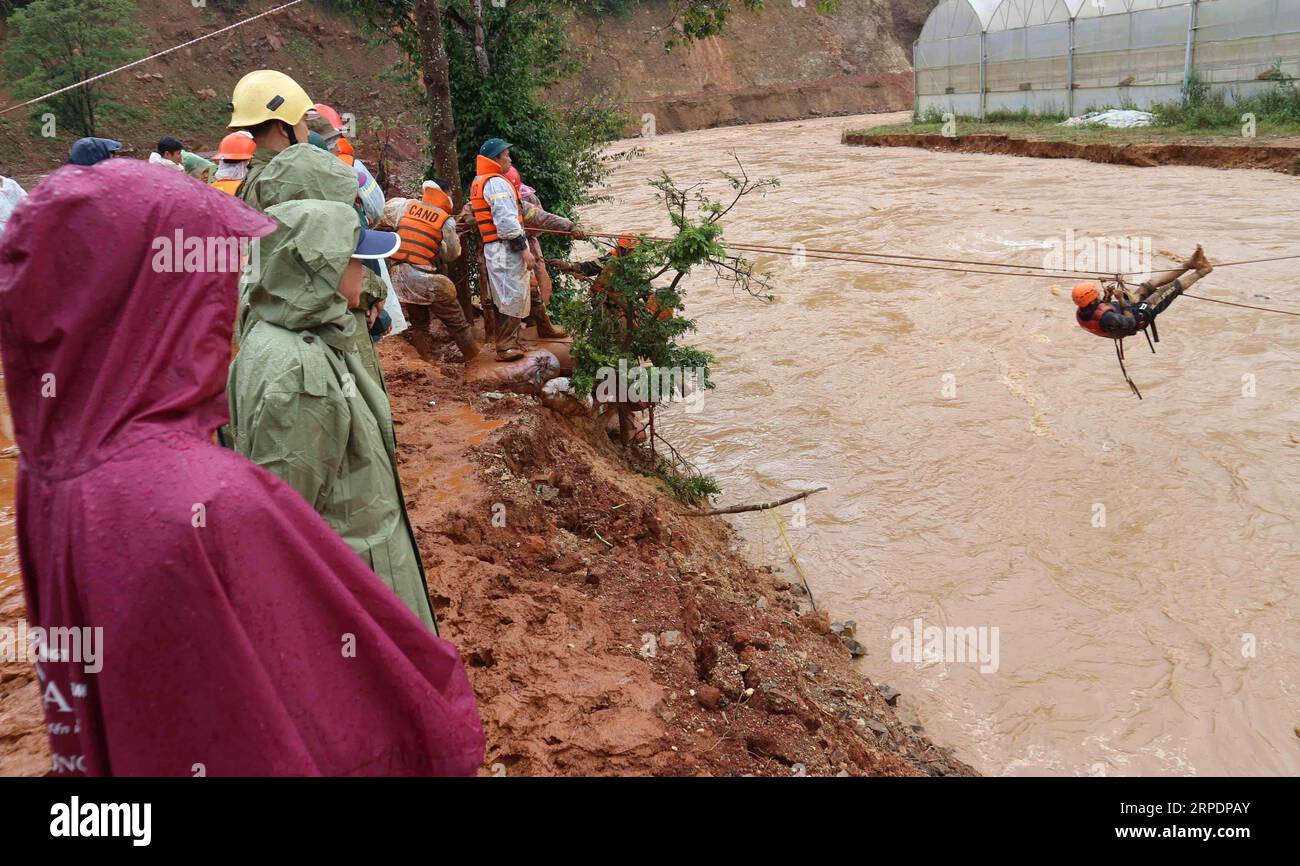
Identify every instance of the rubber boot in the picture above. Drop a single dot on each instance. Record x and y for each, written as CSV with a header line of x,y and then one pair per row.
x,y
468,346
546,329
508,338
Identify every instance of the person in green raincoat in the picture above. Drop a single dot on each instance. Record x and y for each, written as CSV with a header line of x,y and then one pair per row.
x,y
303,171
197,166
302,404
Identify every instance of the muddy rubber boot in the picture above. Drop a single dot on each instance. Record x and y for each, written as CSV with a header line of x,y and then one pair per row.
x,y
468,346
539,316
508,338
546,329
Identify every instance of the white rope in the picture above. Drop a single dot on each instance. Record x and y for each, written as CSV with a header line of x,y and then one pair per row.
x,y
150,57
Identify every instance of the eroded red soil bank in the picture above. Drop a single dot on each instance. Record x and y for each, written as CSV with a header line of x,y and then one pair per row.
x,y
1272,157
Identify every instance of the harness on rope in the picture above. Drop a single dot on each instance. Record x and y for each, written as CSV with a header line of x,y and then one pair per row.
x,y
1117,286
1119,353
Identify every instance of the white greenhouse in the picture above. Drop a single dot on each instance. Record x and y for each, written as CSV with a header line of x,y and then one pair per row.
x,y
979,56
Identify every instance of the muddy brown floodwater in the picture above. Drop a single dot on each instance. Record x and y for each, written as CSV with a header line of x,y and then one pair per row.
x,y
971,435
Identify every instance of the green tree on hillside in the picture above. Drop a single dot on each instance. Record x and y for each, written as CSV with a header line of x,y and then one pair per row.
x,y
483,67
63,42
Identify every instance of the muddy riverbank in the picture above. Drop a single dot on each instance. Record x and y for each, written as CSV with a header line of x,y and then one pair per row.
x,y
606,631
1273,157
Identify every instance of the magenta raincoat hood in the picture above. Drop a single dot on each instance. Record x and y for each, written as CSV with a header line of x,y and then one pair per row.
x,y
80,294
227,605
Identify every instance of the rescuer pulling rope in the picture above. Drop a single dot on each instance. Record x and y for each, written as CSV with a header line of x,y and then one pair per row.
x,y
1118,312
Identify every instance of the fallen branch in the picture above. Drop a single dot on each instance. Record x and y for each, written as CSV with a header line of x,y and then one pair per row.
x,y
758,506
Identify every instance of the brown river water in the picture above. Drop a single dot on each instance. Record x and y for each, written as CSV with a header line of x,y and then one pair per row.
x,y
974,441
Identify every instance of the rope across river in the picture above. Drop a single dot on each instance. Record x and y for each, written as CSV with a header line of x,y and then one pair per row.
x,y
939,263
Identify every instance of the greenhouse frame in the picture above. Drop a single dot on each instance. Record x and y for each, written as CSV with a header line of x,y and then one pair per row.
x,y
1050,56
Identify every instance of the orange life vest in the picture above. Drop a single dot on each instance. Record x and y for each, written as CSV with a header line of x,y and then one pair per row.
x,y
488,169
420,229
344,152
652,304
230,186
1091,322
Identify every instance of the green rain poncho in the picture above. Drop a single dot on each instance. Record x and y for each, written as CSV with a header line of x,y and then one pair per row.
x,y
298,172
249,189
302,405
197,166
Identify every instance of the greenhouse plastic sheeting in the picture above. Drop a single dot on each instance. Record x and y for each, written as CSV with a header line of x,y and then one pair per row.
x,y
975,56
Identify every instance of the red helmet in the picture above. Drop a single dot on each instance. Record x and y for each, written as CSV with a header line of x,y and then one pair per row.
x,y
237,145
1085,293
329,114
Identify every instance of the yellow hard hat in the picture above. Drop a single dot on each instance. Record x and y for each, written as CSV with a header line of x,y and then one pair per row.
x,y
265,95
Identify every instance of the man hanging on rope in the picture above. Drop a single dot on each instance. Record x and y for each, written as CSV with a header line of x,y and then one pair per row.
x,y
1122,313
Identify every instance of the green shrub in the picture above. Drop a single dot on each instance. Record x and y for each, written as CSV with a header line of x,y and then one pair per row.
x,y
1200,109
55,43
688,487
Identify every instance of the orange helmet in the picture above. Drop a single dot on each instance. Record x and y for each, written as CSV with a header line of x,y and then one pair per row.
x,y
329,114
237,145
1085,293
625,244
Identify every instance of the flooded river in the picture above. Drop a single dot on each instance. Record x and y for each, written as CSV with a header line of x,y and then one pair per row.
x,y
987,466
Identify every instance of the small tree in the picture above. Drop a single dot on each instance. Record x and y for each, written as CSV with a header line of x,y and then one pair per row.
x,y
63,42
625,325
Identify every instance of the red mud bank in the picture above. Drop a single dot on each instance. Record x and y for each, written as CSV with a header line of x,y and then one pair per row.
x,y
557,601
785,62
1273,158
553,611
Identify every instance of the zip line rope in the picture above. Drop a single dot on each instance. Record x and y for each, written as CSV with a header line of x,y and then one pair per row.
x,y
1054,272
1244,306
852,256
95,78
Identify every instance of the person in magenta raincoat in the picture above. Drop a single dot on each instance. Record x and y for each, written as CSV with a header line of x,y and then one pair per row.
x,y
240,634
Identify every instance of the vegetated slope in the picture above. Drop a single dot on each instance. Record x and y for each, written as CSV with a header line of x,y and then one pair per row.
x,y
782,63
186,93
